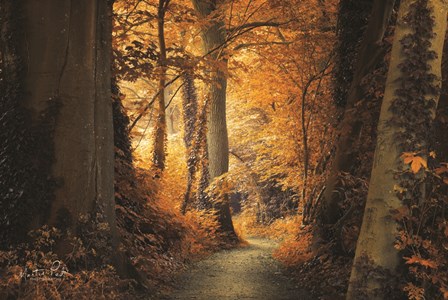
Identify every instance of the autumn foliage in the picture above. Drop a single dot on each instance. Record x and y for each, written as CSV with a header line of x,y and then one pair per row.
x,y
287,69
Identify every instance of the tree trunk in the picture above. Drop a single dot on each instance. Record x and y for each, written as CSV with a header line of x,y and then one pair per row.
x,y
352,20
58,77
23,191
371,52
376,259
66,51
160,130
306,159
122,140
192,144
441,122
213,37
170,111
204,178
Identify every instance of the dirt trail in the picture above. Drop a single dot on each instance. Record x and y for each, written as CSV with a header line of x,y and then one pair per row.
x,y
245,273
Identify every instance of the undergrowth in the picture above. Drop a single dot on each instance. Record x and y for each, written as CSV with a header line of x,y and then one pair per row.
x,y
156,239
246,224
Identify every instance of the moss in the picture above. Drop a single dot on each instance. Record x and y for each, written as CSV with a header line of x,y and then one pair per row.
x,y
122,141
352,21
26,151
413,110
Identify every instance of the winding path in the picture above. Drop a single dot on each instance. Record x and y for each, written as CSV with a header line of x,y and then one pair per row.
x,y
245,273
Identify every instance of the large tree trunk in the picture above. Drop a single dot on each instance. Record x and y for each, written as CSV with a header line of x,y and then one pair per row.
x,y
376,259
213,37
66,52
22,191
371,52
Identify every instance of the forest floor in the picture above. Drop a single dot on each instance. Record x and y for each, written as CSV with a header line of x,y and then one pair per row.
x,y
247,272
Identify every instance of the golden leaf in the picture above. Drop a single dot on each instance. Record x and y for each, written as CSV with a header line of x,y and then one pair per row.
x,y
416,162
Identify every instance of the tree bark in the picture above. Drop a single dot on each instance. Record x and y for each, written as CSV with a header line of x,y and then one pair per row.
x,y
352,20
376,259
213,36
59,67
371,52
66,50
160,130
192,142
20,198
441,122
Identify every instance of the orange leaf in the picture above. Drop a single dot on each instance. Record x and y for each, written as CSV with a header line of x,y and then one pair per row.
x,y
416,162
423,262
441,170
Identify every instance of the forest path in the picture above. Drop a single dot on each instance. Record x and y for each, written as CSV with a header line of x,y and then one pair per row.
x,y
247,272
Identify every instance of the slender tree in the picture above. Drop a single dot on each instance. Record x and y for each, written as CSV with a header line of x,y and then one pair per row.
x,y
192,144
161,126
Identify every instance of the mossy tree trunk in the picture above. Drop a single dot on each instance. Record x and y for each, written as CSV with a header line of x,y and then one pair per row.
x,y
213,38
22,191
66,54
408,108
192,142
351,24
370,53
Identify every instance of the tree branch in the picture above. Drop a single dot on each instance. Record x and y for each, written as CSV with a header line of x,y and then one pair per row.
x,y
147,106
253,25
247,45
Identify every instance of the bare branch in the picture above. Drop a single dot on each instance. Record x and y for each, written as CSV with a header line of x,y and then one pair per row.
x,y
254,25
247,45
147,106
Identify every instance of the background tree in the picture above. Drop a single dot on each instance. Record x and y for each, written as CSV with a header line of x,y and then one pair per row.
x,y
161,124
214,38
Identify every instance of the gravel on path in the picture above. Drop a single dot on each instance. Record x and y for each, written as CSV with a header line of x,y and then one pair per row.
x,y
248,272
